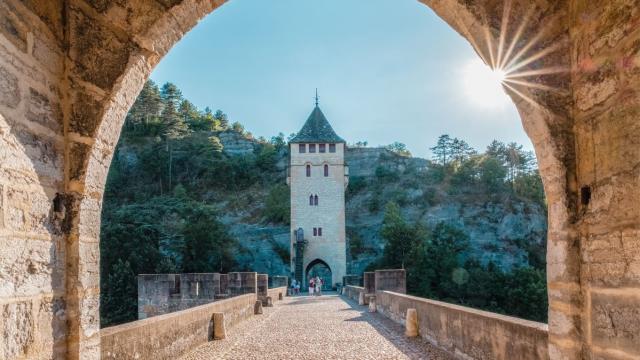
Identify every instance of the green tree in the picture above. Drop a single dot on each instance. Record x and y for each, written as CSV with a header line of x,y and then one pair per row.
x,y
221,118
399,148
277,205
171,94
119,303
492,174
442,152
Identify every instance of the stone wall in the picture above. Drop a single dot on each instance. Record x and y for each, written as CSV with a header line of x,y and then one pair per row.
x,y
169,336
369,282
353,292
468,333
242,283
275,292
165,293
391,280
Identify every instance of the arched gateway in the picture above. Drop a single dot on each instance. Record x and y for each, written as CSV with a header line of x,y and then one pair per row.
x,y
71,69
319,268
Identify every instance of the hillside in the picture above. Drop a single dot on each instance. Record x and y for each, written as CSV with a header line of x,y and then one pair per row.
x,y
187,191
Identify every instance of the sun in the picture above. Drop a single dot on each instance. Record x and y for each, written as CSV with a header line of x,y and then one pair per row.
x,y
482,86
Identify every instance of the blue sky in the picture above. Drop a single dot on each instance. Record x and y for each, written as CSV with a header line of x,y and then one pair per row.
x,y
386,70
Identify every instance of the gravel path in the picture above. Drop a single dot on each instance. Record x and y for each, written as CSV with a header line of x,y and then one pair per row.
x,y
326,327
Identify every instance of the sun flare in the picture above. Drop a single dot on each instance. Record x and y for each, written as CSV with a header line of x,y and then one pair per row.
x,y
482,85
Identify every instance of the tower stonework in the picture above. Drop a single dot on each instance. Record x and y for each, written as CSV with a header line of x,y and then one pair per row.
x,y
318,178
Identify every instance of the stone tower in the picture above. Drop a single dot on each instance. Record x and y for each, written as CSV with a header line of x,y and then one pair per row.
x,y
318,178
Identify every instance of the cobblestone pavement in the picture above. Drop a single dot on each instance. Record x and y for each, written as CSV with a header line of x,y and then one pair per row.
x,y
326,327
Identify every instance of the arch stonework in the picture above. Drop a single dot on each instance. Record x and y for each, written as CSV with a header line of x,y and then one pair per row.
x,y
70,70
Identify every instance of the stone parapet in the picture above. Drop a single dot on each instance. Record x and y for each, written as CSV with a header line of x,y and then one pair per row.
x,y
171,335
243,283
369,282
468,333
353,292
391,280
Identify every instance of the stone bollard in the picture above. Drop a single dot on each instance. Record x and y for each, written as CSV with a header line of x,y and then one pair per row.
x,y
411,324
269,301
361,298
372,304
257,308
219,328
280,297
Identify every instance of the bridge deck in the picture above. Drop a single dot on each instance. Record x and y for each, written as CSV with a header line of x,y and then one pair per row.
x,y
326,327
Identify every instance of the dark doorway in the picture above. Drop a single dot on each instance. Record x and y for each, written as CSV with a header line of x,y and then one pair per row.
x,y
320,268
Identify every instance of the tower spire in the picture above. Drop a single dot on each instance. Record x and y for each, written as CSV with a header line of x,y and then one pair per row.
x,y
316,97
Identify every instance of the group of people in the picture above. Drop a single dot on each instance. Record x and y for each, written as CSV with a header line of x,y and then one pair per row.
x,y
315,286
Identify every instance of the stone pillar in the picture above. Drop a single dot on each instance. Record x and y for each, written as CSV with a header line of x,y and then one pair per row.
x,y
369,282
361,298
262,287
257,308
411,323
219,327
391,280
372,304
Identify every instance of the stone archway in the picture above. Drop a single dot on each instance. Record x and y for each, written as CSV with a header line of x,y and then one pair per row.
x,y
319,268
70,70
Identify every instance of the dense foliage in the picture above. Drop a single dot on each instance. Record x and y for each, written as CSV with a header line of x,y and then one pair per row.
x,y
165,180
433,258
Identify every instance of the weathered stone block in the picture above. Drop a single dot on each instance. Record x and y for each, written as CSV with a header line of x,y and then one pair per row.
x,y
615,320
17,329
98,52
29,267
85,110
219,327
9,90
411,323
12,27
42,110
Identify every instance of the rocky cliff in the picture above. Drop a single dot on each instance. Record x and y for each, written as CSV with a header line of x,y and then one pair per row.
x,y
505,229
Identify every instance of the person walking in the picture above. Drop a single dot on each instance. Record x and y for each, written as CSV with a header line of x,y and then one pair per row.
x,y
312,286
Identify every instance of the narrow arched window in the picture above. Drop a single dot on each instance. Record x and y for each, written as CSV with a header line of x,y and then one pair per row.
x,y
311,200
308,170
326,170
315,200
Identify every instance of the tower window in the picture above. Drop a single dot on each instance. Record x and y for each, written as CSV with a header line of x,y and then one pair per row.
x,y
308,170
322,148
319,231
302,148
312,148
315,200
315,231
332,148
311,200
326,170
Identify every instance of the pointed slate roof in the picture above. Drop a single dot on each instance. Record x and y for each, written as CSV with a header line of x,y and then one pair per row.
x,y
317,130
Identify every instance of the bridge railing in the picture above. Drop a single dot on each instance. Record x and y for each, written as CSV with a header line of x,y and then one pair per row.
x,y
170,335
464,332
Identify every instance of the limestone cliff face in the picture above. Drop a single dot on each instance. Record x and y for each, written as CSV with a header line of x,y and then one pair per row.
x,y
507,230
